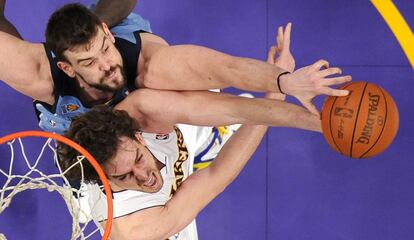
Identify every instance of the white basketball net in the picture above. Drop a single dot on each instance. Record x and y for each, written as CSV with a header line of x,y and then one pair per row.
x,y
36,179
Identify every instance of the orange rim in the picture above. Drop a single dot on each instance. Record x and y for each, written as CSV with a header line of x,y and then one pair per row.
x,y
84,152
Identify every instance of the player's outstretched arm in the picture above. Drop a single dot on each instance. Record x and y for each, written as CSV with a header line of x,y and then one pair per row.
x,y
112,12
24,66
195,192
204,108
190,67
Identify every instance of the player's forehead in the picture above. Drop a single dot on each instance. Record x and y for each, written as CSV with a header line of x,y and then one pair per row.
x,y
90,48
124,158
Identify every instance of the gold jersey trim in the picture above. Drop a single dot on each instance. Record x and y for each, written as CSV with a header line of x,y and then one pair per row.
x,y
178,165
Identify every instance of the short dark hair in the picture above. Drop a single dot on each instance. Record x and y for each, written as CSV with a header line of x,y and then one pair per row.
x,y
71,26
99,132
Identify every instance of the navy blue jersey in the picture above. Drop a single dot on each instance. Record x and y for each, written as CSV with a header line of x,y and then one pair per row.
x,y
129,46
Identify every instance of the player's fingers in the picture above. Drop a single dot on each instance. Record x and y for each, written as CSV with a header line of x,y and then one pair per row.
x,y
334,92
310,107
330,71
271,55
286,36
336,80
280,37
319,64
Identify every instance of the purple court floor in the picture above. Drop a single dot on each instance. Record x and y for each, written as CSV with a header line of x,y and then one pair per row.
x,y
295,187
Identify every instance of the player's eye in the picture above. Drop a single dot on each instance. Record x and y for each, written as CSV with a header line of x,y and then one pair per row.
x,y
139,158
123,177
88,64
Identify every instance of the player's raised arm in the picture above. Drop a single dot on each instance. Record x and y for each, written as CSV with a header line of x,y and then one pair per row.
x,y
190,67
24,66
204,108
195,192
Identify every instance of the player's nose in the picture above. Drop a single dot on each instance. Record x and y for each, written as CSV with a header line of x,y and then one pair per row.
x,y
141,175
104,64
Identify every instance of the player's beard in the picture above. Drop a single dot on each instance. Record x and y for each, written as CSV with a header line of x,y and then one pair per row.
x,y
105,87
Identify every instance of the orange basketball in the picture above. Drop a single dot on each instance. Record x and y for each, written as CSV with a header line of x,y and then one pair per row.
x,y
362,124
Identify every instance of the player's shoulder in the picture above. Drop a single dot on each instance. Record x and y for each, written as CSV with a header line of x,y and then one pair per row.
x,y
147,37
129,37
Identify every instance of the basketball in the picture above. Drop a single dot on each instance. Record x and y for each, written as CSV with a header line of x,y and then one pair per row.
x,y
362,124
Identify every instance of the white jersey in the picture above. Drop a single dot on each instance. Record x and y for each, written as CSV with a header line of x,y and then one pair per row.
x,y
176,151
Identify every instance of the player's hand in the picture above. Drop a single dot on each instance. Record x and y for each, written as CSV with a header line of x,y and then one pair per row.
x,y
280,55
310,81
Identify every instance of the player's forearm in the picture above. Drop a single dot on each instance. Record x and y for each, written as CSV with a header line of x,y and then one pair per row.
x,y
200,68
224,109
203,186
203,108
280,114
112,12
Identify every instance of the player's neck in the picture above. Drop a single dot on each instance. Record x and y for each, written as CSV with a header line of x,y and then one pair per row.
x,y
92,96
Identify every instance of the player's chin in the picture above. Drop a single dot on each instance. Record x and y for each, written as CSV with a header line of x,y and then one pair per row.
x,y
115,82
112,86
118,82
156,187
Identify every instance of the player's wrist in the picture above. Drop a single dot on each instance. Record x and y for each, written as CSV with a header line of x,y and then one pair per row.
x,y
281,82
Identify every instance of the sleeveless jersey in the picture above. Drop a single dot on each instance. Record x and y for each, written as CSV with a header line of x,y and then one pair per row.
x,y
176,151
129,46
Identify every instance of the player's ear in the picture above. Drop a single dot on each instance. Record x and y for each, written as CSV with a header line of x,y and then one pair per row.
x,y
108,32
67,68
139,138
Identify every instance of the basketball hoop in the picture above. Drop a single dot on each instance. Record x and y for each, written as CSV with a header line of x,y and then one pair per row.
x,y
36,179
